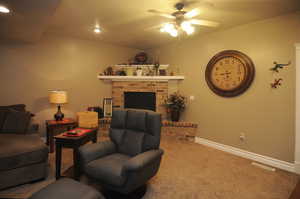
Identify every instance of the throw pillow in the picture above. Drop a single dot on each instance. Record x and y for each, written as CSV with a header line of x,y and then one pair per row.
x,y
16,122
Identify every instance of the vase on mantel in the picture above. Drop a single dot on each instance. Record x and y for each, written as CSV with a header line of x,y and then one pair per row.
x,y
139,72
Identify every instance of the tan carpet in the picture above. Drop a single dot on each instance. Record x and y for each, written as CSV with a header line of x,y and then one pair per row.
x,y
193,171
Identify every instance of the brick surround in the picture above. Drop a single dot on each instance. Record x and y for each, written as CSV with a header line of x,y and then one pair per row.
x,y
158,87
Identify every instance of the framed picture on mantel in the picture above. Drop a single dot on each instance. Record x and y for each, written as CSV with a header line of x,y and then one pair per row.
x,y
107,107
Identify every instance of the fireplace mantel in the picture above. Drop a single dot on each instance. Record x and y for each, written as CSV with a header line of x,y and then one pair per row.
x,y
140,78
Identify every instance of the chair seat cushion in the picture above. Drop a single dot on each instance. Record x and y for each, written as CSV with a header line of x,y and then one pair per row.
x,y
66,188
108,169
21,150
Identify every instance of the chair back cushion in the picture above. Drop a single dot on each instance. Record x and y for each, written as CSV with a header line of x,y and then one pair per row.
x,y
135,131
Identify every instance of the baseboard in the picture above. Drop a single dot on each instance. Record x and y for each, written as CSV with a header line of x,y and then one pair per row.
x,y
297,167
252,156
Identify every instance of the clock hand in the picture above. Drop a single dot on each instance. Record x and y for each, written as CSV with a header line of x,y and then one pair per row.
x,y
226,73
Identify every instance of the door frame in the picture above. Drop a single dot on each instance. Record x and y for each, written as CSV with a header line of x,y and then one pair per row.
x,y
297,111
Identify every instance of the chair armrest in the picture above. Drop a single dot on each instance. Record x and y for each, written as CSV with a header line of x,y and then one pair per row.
x,y
142,160
91,152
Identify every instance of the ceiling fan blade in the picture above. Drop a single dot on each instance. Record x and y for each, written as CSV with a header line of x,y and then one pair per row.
x,y
192,13
163,14
202,22
205,3
156,27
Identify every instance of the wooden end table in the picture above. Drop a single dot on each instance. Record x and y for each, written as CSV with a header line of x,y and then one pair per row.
x,y
74,143
53,127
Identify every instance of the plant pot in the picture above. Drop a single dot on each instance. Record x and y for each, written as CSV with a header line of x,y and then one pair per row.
x,y
175,115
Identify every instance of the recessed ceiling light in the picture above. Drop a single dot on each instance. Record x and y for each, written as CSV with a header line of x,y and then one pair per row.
x,y
97,30
4,9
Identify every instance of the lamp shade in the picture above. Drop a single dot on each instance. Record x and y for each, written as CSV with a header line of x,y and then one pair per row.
x,y
58,97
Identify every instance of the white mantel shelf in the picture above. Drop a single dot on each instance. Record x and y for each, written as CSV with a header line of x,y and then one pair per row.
x,y
140,78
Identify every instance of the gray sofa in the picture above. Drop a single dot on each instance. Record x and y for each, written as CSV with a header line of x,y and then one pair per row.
x,y
23,155
131,157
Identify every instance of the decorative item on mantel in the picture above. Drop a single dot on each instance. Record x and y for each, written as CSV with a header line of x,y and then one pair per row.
x,y
139,65
175,104
156,66
141,58
108,71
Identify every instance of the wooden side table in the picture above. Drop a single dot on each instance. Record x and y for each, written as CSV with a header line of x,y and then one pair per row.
x,y
74,143
52,127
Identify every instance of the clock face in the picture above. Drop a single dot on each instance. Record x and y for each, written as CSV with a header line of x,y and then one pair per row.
x,y
229,73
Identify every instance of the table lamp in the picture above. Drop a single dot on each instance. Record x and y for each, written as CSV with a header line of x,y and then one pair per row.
x,y
58,97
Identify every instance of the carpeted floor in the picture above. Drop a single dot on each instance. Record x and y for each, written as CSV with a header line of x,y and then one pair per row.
x,y
193,171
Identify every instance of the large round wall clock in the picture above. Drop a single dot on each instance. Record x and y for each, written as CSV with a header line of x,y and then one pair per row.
x,y
229,73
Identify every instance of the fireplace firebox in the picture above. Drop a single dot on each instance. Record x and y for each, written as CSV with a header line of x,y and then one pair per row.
x,y
140,100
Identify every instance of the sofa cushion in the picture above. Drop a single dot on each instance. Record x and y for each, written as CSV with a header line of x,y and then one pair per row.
x,y
20,150
108,169
66,188
17,107
16,122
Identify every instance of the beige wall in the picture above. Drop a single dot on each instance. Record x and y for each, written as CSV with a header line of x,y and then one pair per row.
x,y
27,71
265,115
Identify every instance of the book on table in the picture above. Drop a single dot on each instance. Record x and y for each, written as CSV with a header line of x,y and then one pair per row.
x,y
77,132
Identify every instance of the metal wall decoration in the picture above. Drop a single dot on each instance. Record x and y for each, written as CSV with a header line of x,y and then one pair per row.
x,y
278,66
277,81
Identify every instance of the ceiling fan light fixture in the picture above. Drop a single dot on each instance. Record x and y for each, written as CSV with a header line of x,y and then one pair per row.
x,y
4,9
174,33
187,27
97,30
190,30
169,28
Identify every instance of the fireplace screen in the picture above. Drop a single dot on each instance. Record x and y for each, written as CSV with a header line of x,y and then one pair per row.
x,y
140,100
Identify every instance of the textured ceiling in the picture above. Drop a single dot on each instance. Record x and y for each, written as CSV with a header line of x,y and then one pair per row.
x,y
127,22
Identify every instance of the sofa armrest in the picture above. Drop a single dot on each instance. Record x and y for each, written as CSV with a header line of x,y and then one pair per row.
x,y
142,160
90,152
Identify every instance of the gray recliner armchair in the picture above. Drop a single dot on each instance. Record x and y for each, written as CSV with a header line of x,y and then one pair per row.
x,y
131,157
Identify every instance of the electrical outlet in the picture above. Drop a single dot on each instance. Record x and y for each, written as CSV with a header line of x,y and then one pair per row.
x,y
242,137
192,97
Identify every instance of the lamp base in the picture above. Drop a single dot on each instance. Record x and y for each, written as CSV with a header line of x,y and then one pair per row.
x,y
59,116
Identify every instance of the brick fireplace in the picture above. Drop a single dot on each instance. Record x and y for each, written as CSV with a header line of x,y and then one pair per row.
x,y
160,88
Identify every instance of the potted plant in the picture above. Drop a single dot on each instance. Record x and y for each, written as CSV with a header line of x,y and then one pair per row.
x,y
175,104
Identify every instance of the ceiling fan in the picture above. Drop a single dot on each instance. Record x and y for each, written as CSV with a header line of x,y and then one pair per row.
x,y
182,20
